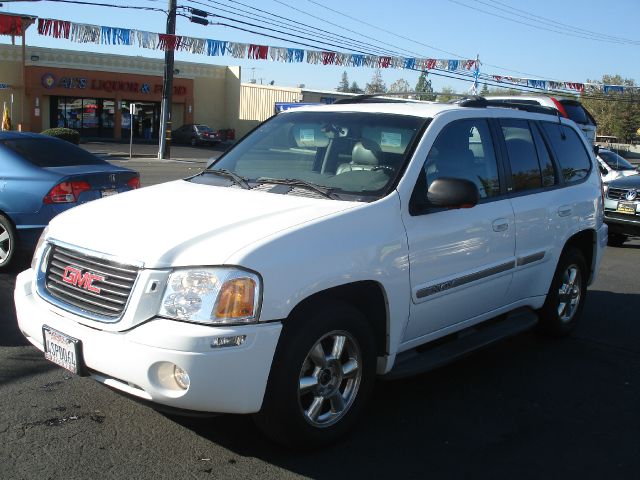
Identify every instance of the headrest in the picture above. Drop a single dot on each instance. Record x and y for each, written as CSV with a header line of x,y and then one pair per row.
x,y
365,152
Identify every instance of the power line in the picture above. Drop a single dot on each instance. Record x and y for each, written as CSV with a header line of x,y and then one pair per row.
x,y
93,4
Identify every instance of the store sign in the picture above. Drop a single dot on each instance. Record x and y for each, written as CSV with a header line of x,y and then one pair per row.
x,y
49,81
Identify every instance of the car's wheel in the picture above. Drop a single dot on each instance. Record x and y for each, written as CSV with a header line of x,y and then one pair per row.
x,y
566,296
321,376
616,239
7,241
194,142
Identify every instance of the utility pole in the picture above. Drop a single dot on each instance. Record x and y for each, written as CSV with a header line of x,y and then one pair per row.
x,y
164,150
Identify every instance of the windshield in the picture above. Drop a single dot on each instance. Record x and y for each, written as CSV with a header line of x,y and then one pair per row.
x,y
51,152
615,161
203,128
349,153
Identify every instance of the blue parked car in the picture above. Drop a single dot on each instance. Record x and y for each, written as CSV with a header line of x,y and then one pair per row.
x,y
42,176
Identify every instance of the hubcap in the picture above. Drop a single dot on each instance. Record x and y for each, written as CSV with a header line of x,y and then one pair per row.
x,y
569,293
329,379
5,244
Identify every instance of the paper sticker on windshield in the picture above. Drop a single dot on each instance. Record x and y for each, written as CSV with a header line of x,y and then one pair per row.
x,y
390,139
307,135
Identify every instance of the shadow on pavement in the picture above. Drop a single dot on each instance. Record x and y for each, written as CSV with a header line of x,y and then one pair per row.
x,y
527,407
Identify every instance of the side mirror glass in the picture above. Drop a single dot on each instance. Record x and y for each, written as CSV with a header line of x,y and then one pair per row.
x,y
453,193
596,149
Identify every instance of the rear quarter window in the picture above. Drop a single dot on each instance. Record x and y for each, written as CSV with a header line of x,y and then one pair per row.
x,y
575,163
51,152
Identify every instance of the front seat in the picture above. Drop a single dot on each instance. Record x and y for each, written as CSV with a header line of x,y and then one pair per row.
x,y
364,156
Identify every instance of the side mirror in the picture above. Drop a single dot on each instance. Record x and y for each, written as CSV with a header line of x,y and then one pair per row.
x,y
596,149
453,193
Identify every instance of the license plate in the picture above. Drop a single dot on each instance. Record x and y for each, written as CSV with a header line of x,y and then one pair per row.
x,y
108,192
627,207
61,349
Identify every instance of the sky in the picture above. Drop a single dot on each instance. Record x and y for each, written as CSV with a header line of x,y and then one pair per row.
x,y
549,40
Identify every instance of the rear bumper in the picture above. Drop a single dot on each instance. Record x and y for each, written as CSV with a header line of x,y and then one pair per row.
x,y
227,380
602,237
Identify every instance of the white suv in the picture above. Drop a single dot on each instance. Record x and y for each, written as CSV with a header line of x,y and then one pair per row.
x,y
330,245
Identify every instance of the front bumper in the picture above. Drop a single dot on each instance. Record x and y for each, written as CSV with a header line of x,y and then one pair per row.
x,y
623,224
225,380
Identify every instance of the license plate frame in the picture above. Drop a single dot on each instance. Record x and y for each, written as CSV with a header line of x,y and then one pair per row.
x,y
108,192
62,349
628,208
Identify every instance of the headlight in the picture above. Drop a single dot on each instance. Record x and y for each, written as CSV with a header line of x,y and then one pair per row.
x,y
36,252
212,295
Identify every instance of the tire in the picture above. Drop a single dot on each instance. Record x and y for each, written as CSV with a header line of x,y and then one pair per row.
x,y
567,294
7,242
194,142
310,401
616,239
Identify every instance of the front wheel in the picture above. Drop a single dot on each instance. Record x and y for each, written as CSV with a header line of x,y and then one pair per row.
x,y
567,294
321,376
616,239
7,241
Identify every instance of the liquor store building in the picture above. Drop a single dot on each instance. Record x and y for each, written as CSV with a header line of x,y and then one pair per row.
x,y
92,92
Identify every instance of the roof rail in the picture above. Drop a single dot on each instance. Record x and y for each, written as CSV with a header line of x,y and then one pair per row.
x,y
481,102
377,98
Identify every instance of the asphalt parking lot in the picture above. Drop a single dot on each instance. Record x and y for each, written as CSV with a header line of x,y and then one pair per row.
x,y
526,408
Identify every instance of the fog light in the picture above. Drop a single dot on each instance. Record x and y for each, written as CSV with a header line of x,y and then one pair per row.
x,y
221,342
181,377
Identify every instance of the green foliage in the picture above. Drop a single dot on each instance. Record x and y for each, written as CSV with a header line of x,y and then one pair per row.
x,y
424,90
446,94
343,86
617,113
400,86
68,134
377,85
485,90
355,88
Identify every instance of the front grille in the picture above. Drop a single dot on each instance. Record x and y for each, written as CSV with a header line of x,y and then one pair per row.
x,y
617,193
94,285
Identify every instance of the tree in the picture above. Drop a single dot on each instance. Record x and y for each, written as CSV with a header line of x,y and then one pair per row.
x,y
485,90
343,86
446,95
400,86
355,88
617,113
424,90
377,85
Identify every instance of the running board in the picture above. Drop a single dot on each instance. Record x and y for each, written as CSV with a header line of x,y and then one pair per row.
x,y
461,344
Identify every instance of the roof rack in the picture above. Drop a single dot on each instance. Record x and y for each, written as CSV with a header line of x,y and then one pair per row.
x,y
481,102
374,98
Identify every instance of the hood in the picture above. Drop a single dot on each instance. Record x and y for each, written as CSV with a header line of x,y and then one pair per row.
x,y
182,223
630,181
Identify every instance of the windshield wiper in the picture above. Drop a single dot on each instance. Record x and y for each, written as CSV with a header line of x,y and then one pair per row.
x,y
237,179
295,182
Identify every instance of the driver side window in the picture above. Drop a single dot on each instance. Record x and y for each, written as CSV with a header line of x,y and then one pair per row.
x,y
463,149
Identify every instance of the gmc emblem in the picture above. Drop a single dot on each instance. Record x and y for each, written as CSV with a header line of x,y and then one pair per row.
x,y
75,277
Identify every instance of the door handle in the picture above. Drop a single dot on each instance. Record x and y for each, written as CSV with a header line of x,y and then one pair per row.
x,y
564,211
500,225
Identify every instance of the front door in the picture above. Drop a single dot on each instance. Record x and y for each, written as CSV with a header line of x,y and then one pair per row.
x,y
461,260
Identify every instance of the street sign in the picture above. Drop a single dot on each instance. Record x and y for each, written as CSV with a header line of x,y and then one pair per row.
x,y
132,108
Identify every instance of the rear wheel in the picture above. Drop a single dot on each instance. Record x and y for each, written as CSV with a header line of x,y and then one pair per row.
x,y
7,241
566,296
321,377
616,239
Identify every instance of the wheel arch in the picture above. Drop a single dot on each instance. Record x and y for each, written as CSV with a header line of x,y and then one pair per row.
x,y
367,296
585,241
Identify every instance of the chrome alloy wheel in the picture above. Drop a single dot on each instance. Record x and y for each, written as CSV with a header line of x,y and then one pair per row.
x,y
329,379
569,294
5,244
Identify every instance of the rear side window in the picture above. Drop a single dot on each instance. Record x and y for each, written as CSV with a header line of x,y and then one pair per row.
x,y
523,158
569,150
577,112
51,152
